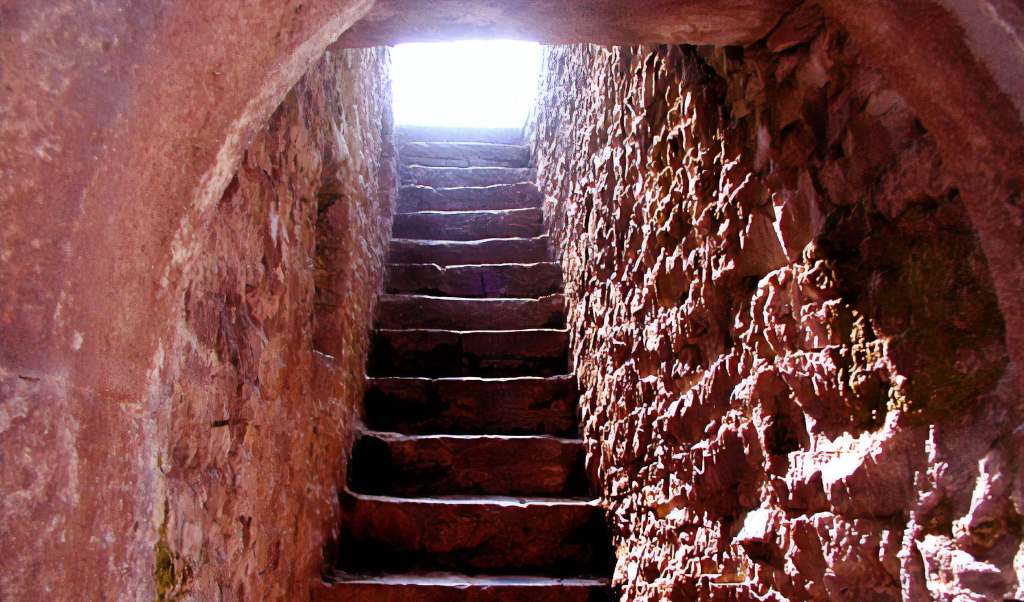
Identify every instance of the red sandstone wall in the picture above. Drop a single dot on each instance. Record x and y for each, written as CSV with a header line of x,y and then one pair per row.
x,y
224,487
252,501
785,332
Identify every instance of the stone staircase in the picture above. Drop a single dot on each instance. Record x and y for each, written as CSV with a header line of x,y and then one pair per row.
x,y
468,482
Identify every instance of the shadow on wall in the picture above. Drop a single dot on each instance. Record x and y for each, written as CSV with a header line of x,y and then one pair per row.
x,y
266,370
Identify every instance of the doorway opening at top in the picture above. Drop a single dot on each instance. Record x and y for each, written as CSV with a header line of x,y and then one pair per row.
x,y
476,83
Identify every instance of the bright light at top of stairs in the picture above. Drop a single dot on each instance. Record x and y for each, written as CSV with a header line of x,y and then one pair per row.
x,y
486,83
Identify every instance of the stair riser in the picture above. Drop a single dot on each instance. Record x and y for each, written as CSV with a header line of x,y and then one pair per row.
x,y
510,280
404,535
438,593
518,223
390,464
413,311
444,353
442,154
512,407
426,133
453,177
411,160
478,198
515,250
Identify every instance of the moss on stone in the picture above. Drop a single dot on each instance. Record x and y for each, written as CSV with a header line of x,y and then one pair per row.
x,y
168,581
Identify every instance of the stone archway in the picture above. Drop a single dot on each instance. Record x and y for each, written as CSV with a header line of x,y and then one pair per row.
x,y
122,124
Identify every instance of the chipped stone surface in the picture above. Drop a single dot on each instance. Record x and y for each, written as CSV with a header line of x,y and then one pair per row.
x,y
486,280
477,535
424,311
789,350
469,225
514,406
220,483
488,353
447,252
262,415
388,463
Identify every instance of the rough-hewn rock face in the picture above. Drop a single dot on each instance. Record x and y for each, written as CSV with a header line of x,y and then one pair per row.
x,y
785,332
259,421
231,493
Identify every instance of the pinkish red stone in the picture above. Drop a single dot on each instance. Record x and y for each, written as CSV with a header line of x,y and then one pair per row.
x,y
481,280
469,225
386,463
522,405
544,536
773,337
456,313
445,252
484,353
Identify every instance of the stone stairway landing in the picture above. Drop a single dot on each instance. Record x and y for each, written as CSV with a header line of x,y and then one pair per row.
x,y
468,482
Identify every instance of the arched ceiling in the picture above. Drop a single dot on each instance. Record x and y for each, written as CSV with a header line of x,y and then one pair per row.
x,y
607,22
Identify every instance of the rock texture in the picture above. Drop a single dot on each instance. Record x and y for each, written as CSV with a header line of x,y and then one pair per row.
x,y
121,125
790,354
228,491
265,370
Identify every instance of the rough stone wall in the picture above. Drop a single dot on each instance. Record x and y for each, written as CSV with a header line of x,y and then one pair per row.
x,y
221,484
289,266
789,350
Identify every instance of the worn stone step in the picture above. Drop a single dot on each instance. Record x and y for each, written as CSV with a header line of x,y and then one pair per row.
x,y
464,313
492,250
503,535
469,225
468,198
385,463
454,177
464,154
487,280
507,406
484,353
428,133
338,586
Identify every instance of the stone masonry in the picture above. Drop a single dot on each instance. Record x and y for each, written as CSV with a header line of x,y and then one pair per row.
x,y
789,352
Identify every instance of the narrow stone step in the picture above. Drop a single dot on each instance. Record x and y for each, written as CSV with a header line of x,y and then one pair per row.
x,y
469,225
452,177
464,154
425,311
487,280
338,586
468,198
492,250
503,535
429,133
507,406
484,353
386,463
